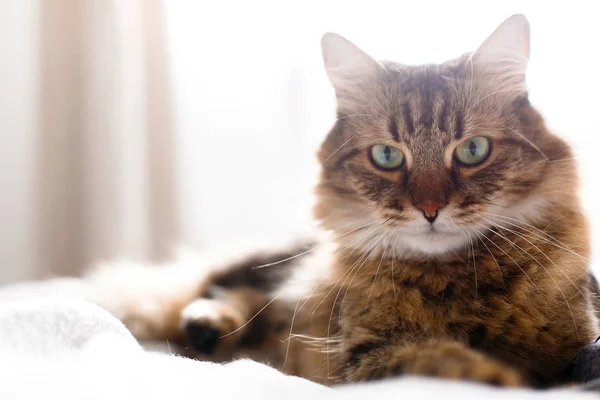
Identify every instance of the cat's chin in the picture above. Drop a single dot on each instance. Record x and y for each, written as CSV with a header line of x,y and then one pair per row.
x,y
435,243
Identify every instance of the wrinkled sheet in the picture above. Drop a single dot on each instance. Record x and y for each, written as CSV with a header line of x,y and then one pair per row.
x,y
65,347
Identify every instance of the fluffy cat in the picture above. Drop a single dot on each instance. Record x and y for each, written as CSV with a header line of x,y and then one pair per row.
x,y
456,243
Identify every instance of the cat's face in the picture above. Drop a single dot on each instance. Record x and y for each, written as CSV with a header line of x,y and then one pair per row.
x,y
424,159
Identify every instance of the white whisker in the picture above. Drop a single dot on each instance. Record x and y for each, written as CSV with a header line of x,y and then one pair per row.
x,y
529,142
255,315
338,149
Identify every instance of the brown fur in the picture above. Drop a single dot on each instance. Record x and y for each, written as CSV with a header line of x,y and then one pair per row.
x,y
510,306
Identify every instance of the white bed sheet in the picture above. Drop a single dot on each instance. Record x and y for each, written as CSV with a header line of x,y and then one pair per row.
x,y
64,347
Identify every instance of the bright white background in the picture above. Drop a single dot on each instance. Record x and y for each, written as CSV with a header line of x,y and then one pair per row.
x,y
250,102
253,99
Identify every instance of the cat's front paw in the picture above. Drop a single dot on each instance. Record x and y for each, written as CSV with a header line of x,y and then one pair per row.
x,y
450,360
211,326
460,363
457,362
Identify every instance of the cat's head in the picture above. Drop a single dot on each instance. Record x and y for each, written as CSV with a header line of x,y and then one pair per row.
x,y
427,157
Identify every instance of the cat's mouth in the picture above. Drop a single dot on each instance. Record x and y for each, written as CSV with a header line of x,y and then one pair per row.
x,y
436,240
434,235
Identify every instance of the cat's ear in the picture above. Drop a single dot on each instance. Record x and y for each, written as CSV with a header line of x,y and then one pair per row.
x,y
345,63
502,59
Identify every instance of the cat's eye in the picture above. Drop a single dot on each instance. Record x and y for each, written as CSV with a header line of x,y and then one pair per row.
x,y
386,157
472,151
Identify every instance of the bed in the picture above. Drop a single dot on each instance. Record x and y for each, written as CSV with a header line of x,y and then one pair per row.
x,y
55,343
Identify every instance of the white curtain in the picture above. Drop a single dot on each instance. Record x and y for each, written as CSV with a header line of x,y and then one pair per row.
x,y
105,158
93,133
18,93
131,126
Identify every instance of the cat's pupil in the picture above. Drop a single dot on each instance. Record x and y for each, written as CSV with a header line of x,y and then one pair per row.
x,y
387,153
472,147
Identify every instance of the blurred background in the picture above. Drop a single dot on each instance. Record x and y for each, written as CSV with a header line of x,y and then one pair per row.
x,y
128,127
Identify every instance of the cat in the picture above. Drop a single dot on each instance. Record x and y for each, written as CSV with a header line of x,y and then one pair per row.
x,y
454,242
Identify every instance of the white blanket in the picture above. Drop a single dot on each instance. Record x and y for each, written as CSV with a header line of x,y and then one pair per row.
x,y
67,348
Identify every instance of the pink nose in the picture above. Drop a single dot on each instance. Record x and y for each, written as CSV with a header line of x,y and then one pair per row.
x,y
430,209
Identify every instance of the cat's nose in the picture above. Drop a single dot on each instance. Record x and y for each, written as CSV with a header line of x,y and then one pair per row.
x,y
430,209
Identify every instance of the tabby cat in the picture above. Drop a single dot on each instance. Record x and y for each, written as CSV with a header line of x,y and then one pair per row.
x,y
455,242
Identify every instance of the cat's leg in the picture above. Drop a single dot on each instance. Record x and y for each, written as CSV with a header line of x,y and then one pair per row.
x,y
240,313
151,299
148,299
444,359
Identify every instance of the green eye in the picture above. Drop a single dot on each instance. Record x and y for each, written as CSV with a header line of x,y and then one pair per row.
x,y
472,151
386,157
